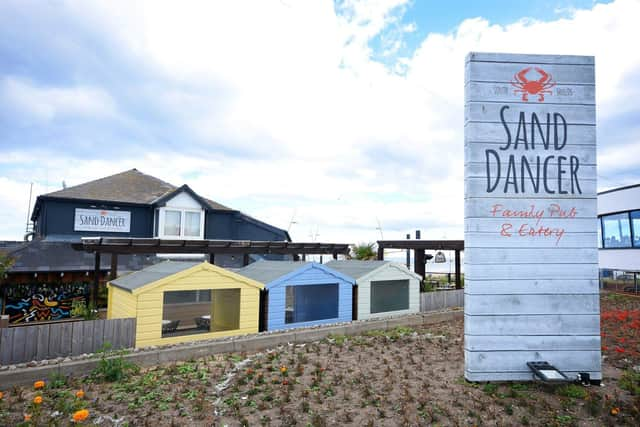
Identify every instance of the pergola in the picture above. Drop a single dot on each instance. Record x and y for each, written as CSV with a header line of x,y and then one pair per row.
x,y
419,246
116,246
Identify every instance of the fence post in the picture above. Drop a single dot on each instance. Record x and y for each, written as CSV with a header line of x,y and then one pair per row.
x,y
4,321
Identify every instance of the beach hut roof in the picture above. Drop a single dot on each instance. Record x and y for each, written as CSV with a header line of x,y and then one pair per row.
x,y
273,271
135,281
359,269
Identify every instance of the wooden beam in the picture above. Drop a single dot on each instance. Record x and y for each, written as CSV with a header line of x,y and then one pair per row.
x,y
418,262
380,252
458,278
445,245
245,260
93,297
114,267
212,258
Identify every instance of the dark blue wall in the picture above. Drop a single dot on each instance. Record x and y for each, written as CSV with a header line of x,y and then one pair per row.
x,y
235,225
57,216
56,219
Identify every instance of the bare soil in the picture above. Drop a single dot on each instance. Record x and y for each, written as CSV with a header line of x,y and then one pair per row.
x,y
383,378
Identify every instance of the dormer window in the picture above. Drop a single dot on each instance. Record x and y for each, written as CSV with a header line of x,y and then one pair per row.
x,y
182,217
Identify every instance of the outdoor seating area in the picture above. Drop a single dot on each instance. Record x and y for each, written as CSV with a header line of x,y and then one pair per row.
x,y
203,322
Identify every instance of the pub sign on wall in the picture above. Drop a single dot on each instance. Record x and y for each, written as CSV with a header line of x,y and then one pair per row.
x,y
102,220
531,261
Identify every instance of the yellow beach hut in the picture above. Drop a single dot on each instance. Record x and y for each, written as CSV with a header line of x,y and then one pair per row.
x,y
177,302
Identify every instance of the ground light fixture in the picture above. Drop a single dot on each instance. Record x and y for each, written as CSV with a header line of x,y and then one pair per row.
x,y
546,372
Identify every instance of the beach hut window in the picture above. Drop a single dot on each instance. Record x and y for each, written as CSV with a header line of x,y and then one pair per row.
x,y
186,312
311,302
389,295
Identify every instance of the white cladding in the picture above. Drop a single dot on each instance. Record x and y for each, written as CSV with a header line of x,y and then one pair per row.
x,y
184,201
102,220
531,257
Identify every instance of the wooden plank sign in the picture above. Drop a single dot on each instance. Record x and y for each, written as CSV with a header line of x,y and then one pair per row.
x,y
531,261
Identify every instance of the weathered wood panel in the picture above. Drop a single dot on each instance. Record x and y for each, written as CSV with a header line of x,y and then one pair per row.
x,y
566,270
540,325
538,136
439,300
39,342
482,207
502,72
578,225
475,152
495,240
490,113
479,169
530,304
504,92
531,286
530,215
520,343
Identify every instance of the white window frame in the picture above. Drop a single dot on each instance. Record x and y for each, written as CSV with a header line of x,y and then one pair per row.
x,y
161,218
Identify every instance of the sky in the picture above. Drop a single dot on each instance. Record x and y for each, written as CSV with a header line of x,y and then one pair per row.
x,y
338,121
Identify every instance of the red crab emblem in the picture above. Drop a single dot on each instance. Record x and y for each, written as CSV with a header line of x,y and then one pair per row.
x,y
532,87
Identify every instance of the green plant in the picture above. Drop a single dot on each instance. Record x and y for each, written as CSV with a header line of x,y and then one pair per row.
x,y
573,391
80,308
364,251
490,388
57,380
112,366
630,381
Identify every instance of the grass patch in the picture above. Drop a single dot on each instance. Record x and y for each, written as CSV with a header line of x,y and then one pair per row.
x,y
630,381
573,391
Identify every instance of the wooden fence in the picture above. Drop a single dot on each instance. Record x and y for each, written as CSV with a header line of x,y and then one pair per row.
x,y
438,300
47,341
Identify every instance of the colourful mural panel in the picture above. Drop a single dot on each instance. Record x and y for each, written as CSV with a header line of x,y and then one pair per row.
x,y
38,302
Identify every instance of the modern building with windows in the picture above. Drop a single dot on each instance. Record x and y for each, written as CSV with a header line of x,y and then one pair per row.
x,y
619,237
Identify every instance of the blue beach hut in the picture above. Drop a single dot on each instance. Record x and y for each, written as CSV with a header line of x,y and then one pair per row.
x,y
299,294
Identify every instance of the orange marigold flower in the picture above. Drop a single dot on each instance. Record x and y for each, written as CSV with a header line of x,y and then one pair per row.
x,y
27,417
38,384
283,369
37,400
79,394
80,415
615,411
1,395
285,382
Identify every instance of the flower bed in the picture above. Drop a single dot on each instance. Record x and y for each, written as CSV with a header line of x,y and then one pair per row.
x,y
395,377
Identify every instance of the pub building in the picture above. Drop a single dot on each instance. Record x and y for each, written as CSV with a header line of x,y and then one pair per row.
x,y
47,274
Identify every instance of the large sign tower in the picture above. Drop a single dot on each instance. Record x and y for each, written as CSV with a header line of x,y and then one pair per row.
x,y
531,258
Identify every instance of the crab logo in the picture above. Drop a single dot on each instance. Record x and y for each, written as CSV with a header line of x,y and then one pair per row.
x,y
532,87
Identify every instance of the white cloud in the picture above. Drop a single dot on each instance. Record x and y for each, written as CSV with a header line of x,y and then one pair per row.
x,y
47,103
342,139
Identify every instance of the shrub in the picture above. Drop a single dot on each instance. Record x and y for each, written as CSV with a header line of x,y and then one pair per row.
x,y
112,366
630,381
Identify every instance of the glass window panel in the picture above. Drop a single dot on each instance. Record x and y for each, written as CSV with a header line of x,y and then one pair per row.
x,y
635,223
172,223
617,231
311,302
186,313
192,224
599,232
389,295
